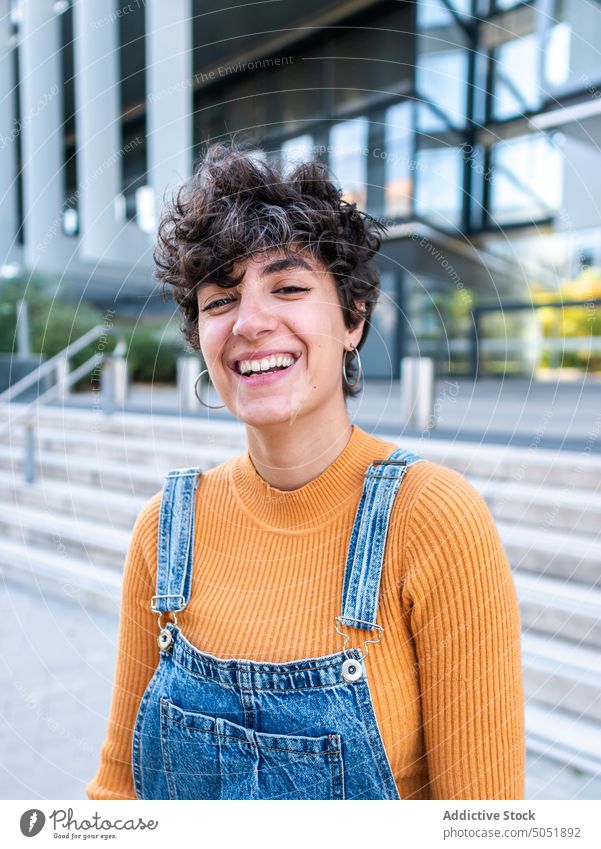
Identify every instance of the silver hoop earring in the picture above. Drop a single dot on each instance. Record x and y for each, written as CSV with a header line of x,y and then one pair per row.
x,y
219,407
359,373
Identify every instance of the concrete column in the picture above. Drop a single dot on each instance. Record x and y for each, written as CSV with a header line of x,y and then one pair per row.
x,y
169,95
46,247
8,141
95,28
417,392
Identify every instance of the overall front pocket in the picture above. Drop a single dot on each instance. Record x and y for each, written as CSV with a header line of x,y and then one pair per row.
x,y
210,757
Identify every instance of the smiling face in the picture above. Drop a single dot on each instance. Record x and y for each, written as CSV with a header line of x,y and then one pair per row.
x,y
285,304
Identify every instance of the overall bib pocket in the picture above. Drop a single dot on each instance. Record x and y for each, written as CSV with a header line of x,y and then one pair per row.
x,y
209,757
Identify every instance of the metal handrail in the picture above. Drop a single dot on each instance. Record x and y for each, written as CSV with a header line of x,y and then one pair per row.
x,y
49,365
71,378
34,377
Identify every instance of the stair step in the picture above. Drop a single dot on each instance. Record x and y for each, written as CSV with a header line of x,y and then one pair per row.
x,y
125,447
570,469
563,675
76,537
512,463
137,479
559,608
564,737
65,577
573,557
67,498
542,505
170,428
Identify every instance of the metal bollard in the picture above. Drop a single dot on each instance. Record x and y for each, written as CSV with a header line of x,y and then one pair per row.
x,y
417,392
114,383
188,369
62,375
29,452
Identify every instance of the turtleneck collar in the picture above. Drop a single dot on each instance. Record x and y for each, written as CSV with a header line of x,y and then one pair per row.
x,y
336,489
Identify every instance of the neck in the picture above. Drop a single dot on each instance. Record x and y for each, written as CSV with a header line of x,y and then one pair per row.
x,y
288,456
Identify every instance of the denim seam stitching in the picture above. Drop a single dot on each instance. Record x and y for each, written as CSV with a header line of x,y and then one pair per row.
x,y
264,667
336,768
140,717
248,742
234,687
165,750
374,735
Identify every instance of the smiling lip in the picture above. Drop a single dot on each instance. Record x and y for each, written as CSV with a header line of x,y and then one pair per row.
x,y
259,355
258,378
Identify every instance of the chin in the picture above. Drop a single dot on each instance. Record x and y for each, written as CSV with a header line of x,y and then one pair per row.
x,y
266,412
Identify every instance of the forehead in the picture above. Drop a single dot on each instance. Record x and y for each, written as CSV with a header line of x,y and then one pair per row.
x,y
272,262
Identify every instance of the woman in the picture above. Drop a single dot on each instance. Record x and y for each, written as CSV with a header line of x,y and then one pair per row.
x,y
331,617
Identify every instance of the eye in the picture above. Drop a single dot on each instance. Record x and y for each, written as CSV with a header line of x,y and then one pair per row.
x,y
294,289
218,303
221,302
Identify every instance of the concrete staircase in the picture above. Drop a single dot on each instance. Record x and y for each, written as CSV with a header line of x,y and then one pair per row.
x,y
68,533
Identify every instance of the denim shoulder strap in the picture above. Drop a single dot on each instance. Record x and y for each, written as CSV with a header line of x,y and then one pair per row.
x,y
365,555
176,540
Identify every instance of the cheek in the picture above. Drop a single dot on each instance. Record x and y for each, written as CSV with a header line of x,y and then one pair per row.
x,y
211,336
318,324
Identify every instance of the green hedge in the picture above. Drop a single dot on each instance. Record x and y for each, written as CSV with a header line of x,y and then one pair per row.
x,y
153,346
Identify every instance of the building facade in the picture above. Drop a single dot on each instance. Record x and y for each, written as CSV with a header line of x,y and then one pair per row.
x,y
469,127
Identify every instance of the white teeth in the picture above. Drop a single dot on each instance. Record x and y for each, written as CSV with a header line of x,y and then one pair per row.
x,y
265,364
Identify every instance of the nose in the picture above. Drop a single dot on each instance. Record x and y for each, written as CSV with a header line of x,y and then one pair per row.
x,y
253,316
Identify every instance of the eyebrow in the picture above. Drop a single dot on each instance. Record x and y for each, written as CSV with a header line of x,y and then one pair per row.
x,y
274,267
284,264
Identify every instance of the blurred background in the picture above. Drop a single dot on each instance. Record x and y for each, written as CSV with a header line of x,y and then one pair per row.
x,y
472,130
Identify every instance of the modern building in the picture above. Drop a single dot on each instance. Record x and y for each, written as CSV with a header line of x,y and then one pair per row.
x,y
470,127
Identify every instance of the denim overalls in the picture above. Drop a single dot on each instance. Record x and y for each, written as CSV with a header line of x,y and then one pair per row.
x,y
212,728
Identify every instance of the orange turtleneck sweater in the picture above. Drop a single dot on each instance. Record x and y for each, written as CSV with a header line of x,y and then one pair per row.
x,y
446,679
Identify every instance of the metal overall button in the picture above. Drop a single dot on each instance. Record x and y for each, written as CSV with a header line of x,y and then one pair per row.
x,y
351,670
165,637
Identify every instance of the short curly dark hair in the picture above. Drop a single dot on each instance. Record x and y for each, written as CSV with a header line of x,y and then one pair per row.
x,y
236,205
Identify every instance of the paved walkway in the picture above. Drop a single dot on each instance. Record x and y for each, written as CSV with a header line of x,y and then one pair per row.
x,y
56,675
551,413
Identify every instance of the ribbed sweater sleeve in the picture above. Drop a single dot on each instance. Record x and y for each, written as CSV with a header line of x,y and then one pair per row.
x,y
137,658
465,624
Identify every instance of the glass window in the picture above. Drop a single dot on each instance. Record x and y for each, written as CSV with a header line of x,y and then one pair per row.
x,y
429,120
132,93
502,5
571,49
299,149
432,13
348,158
441,78
442,63
516,84
297,92
398,159
462,7
526,179
439,185
222,30
380,355
372,58
557,54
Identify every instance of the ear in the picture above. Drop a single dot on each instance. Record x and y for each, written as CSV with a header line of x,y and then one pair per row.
x,y
357,332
